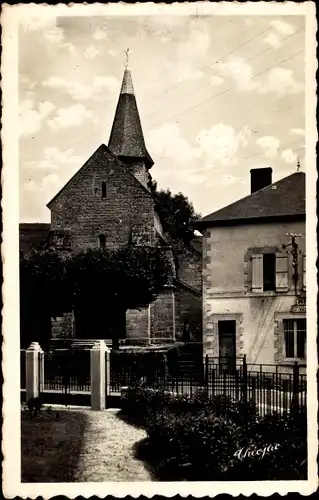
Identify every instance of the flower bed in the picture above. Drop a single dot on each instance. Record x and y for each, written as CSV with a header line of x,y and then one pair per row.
x,y
203,438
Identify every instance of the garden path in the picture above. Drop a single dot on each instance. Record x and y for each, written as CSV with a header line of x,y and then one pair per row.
x,y
107,452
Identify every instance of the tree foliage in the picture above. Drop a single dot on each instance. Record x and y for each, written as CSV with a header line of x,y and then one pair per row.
x,y
93,281
176,213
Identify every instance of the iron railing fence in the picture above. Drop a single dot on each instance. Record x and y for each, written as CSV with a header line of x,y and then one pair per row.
x,y
68,370
271,387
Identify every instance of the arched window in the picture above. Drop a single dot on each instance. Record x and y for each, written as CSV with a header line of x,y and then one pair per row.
x,y
102,240
103,189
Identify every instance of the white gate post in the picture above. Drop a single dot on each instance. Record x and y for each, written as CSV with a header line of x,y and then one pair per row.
x,y
98,375
32,370
108,371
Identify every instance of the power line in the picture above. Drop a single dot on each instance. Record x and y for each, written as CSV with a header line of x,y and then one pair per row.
x,y
261,152
230,88
211,64
260,161
250,59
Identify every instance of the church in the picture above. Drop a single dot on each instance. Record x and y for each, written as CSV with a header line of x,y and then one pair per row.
x,y
108,203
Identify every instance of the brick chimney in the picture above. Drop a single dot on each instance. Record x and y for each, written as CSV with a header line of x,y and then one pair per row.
x,y
260,178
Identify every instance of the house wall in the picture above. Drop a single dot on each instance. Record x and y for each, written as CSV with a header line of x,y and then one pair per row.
x,y
227,292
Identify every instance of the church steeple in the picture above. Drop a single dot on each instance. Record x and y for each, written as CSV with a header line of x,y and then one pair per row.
x,y
126,139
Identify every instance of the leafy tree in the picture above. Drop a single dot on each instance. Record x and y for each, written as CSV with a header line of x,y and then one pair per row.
x,y
99,285
108,282
176,213
45,292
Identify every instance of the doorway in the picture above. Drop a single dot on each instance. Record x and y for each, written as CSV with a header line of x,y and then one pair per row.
x,y
227,345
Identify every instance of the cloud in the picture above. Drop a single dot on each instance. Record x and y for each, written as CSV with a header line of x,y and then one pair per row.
x,y
27,83
289,156
216,80
91,52
273,40
99,34
283,28
196,45
240,71
167,141
46,183
270,145
220,143
31,22
281,81
73,116
54,159
30,118
79,91
54,35
297,131
185,71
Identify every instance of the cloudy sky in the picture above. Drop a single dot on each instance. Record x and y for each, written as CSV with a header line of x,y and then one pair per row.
x,y
217,95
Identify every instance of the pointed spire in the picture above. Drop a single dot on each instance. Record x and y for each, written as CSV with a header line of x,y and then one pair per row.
x,y
126,139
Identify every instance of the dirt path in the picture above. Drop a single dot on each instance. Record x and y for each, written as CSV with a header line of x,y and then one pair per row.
x,y
108,450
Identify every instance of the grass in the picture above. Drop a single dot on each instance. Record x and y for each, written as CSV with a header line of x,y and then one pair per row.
x,y
81,446
51,446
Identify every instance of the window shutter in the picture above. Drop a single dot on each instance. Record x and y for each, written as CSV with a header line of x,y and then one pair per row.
x,y
281,272
257,273
304,271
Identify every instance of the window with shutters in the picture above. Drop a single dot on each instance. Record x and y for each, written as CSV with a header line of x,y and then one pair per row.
x,y
295,332
269,272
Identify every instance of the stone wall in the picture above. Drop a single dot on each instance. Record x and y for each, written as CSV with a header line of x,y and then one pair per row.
x,y
81,207
63,326
189,265
162,312
138,326
190,311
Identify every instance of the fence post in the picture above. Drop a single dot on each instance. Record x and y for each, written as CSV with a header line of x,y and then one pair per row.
x,y
295,384
32,378
98,375
244,385
41,370
107,371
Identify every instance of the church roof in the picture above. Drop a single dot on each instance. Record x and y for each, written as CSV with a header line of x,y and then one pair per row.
x,y
284,199
126,139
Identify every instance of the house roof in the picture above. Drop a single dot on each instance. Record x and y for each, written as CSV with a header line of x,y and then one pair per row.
x,y
284,199
127,139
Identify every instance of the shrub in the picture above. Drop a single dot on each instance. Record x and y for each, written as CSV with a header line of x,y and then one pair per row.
x,y
197,437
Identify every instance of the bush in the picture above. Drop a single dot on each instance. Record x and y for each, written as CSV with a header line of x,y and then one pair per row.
x,y
198,437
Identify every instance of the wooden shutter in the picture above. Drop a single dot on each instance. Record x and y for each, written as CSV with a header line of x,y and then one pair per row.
x,y
257,273
304,271
281,272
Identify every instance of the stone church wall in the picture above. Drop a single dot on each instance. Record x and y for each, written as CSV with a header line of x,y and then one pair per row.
x,y
89,210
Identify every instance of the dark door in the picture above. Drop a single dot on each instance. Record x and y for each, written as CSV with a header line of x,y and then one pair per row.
x,y
227,344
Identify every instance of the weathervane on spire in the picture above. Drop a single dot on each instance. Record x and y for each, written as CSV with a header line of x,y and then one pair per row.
x,y
126,53
298,165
